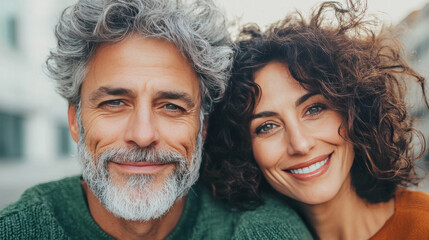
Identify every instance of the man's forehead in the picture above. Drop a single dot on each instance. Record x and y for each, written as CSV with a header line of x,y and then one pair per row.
x,y
154,50
136,62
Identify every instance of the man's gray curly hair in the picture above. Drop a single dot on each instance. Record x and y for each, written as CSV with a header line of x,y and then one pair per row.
x,y
196,28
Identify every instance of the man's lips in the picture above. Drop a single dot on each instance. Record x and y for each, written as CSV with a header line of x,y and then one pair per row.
x,y
310,169
139,167
141,164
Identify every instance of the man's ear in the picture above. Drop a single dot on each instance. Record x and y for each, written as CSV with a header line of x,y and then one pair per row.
x,y
205,127
73,126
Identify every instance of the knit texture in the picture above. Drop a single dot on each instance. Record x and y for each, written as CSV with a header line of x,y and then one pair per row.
x,y
411,217
58,210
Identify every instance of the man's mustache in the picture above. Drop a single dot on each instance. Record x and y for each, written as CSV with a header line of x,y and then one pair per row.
x,y
137,154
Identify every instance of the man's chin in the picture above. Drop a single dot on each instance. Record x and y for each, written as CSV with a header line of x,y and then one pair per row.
x,y
139,199
134,192
138,182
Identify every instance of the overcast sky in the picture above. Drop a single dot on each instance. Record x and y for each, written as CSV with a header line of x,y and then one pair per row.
x,y
264,12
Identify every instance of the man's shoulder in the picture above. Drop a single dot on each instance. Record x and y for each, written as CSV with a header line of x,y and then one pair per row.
x,y
214,219
41,194
275,219
207,204
35,212
204,217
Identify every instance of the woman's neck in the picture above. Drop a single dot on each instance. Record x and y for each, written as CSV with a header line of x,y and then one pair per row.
x,y
347,216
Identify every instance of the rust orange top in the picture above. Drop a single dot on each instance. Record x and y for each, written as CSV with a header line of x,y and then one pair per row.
x,y
411,217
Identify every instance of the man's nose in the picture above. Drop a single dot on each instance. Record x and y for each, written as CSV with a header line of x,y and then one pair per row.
x,y
141,129
299,141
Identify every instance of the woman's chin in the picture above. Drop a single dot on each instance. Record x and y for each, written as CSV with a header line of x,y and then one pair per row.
x,y
313,196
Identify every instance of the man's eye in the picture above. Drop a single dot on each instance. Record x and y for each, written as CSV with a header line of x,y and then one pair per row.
x,y
173,107
265,128
113,102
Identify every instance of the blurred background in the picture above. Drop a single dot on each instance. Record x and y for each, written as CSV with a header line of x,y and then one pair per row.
x,y
35,145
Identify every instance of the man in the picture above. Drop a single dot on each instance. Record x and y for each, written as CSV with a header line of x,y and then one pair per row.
x,y
139,76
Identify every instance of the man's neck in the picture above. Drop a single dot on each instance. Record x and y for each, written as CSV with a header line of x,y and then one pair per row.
x,y
123,229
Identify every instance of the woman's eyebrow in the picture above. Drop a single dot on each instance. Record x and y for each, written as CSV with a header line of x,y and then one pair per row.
x,y
304,98
264,114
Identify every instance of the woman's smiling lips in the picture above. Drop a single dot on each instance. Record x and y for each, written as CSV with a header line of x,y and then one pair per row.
x,y
310,169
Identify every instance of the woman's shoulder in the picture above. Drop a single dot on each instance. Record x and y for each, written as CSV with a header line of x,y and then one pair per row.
x,y
409,201
410,218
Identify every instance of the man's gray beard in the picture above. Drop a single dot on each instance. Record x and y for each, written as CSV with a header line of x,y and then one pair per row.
x,y
137,199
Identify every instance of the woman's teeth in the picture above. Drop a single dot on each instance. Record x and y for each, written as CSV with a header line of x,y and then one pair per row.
x,y
311,168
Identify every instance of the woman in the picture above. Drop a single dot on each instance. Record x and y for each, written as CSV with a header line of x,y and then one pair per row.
x,y
321,106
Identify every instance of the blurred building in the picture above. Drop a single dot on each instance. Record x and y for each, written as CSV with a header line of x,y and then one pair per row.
x,y
415,37
35,145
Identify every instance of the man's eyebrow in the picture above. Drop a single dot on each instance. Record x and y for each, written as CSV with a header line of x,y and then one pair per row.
x,y
304,98
105,91
264,114
176,95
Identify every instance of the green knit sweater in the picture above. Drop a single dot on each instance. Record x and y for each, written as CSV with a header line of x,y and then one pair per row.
x,y
58,210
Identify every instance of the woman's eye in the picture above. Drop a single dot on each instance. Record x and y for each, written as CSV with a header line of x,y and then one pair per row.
x,y
315,109
264,128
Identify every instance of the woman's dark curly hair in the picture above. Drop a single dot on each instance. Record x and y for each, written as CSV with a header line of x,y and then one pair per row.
x,y
360,71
